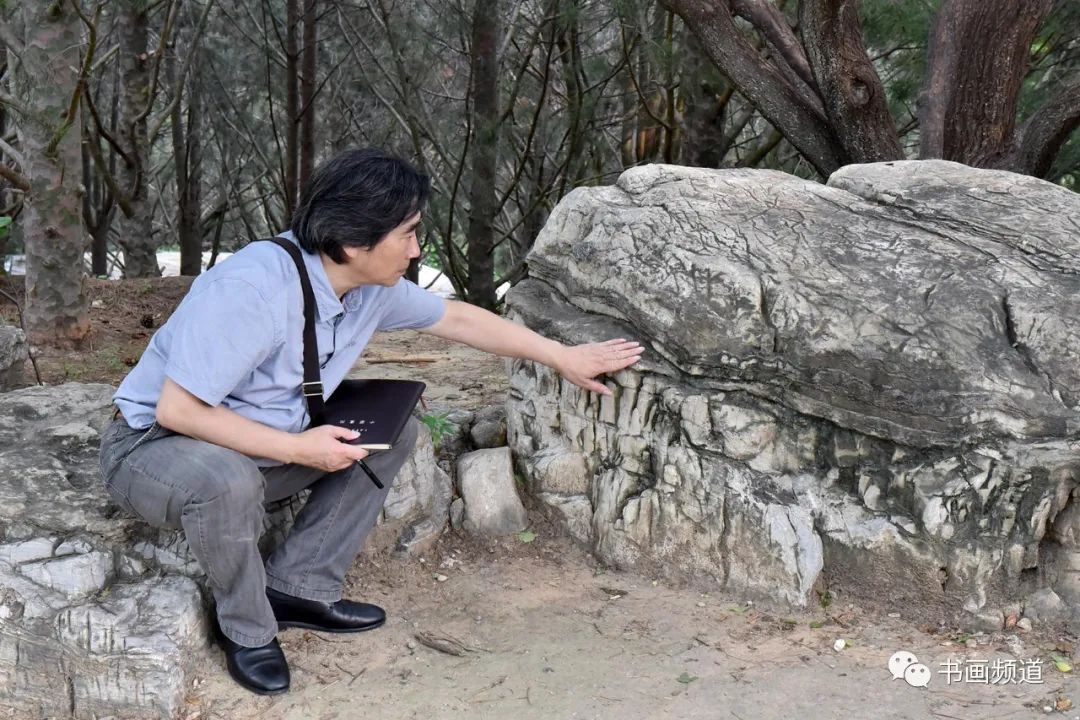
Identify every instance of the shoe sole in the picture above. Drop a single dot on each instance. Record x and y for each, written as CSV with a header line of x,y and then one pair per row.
x,y
259,691
319,628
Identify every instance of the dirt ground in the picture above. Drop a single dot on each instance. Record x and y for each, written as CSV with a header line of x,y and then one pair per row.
x,y
540,630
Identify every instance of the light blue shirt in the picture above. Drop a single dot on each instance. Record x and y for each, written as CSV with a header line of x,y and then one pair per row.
x,y
236,339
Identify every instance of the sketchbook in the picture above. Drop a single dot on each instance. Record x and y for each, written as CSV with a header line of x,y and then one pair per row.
x,y
376,409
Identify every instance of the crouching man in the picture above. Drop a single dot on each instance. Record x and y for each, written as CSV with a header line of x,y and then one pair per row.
x,y
211,423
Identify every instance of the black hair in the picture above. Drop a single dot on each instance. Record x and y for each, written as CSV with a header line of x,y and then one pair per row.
x,y
355,199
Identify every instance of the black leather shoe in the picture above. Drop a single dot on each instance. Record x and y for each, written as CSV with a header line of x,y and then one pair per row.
x,y
262,670
343,616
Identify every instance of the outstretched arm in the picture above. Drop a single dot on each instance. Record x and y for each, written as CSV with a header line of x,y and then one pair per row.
x,y
579,364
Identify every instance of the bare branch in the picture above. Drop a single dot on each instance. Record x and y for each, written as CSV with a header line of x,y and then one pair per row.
x,y
195,38
13,154
14,177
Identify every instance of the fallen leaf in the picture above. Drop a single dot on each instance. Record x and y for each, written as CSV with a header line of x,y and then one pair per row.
x,y
1063,703
1061,662
526,536
686,679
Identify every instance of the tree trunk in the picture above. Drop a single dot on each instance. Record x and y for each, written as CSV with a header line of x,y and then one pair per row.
x,y
187,156
1045,132
847,82
482,192
706,96
136,230
97,205
976,62
57,311
307,93
292,107
790,108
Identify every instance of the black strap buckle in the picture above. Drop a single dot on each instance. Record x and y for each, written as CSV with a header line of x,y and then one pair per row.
x,y
315,389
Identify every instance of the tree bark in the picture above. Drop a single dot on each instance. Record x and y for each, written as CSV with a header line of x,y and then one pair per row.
x,y
482,189
292,107
307,93
850,89
781,103
136,229
707,99
187,158
1044,133
976,62
57,310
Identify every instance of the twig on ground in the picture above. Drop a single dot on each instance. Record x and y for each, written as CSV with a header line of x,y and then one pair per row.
x,y
492,686
444,643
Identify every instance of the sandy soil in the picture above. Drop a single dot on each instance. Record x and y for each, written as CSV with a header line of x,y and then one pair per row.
x,y
546,633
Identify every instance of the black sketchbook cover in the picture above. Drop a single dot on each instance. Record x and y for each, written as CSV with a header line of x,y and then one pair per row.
x,y
377,409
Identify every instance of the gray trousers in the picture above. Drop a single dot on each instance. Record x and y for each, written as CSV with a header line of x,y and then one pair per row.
x,y
216,496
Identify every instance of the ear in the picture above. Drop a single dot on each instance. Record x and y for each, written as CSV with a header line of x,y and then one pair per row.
x,y
352,251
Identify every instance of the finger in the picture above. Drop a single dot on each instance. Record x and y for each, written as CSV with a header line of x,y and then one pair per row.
x,y
340,432
356,453
595,387
616,341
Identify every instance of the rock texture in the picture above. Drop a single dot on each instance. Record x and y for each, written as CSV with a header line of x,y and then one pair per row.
x,y
101,615
492,505
868,386
13,356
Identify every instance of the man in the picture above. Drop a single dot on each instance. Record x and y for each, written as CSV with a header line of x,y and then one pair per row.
x,y
212,423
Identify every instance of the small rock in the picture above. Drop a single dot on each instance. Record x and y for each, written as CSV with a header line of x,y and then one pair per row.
x,y
489,428
439,577
894,615
1044,605
1024,624
839,645
457,513
701,604
411,644
492,505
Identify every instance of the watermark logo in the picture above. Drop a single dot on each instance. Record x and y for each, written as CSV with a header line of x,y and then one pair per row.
x,y
905,665
999,671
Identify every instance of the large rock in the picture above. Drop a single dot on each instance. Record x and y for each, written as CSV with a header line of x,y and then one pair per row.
x,y
101,615
868,386
13,356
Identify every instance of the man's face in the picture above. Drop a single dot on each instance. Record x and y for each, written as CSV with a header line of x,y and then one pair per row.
x,y
387,262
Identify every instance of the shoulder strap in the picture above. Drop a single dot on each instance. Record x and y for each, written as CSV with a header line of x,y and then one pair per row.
x,y
312,386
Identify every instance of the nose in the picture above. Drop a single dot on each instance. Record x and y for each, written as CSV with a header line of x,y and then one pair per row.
x,y
414,248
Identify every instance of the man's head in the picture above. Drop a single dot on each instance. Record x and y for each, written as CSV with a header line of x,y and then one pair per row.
x,y
355,200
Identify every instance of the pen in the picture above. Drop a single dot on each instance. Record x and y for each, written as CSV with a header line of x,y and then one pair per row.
x,y
371,474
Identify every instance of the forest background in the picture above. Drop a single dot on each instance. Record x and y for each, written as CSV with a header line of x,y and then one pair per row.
x,y
128,126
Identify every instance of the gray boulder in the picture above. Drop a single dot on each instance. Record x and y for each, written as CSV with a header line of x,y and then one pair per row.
x,y
101,615
868,386
492,504
13,356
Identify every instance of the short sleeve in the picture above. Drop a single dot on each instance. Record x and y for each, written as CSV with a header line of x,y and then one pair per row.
x,y
218,336
407,306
